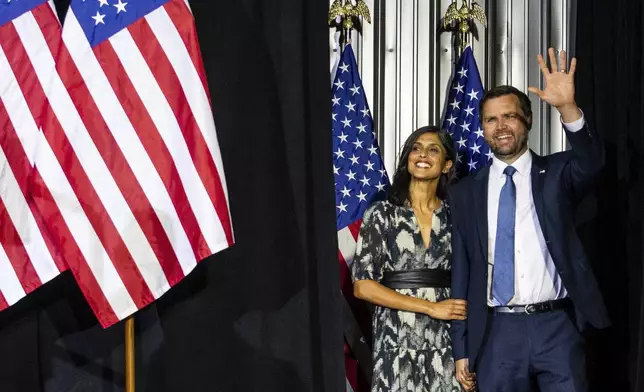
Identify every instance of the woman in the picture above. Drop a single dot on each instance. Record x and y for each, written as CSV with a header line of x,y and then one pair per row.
x,y
402,265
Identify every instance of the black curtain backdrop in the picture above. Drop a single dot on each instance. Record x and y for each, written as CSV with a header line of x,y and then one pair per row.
x,y
263,315
609,89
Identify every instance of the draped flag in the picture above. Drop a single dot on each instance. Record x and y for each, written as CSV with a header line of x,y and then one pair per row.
x,y
28,257
462,116
131,180
360,176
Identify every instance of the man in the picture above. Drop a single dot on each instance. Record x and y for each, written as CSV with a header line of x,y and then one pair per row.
x,y
516,256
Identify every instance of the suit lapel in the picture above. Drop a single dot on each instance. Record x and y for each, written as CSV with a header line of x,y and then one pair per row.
x,y
480,207
538,175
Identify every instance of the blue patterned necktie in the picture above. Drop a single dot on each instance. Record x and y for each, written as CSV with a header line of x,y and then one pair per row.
x,y
503,272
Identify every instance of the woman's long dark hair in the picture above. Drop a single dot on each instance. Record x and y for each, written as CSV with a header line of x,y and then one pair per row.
x,y
398,193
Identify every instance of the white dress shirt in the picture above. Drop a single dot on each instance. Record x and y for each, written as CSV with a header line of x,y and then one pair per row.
x,y
535,277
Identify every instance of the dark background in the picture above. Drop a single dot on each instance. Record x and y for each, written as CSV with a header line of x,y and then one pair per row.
x,y
609,89
264,315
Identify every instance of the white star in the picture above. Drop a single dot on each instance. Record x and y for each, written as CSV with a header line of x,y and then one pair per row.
x,y
364,181
355,90
102,3
98,18
120,6
346,122
489,154
344,67
342,207
361,128
345,192
350,106
473,94
354,159
334,115
362,196
380,186
365,112
372,150
469,111
369,165
479,133
339,84
452,120
336,170
351,175
343,137
466,126
472,165
458,88
382,172
358,143
463,72
336,100
459,158
455,104
339,153
461,143
475,149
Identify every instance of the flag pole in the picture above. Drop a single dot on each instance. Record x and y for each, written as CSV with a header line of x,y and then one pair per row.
x,y
130,375
344,16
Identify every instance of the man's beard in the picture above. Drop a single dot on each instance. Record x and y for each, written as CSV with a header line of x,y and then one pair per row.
x,y
507,151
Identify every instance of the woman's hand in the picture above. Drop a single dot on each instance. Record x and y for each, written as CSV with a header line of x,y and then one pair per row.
x,y
450,309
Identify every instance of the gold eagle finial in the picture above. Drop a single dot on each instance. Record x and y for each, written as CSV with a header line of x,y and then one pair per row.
x,y
464,15
461,19
348,12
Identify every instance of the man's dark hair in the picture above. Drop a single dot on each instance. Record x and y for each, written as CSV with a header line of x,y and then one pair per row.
x,y
499,91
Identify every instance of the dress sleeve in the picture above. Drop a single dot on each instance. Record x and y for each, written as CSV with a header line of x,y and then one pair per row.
x,y
371,248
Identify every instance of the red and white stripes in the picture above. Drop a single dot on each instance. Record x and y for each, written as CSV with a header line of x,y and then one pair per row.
x,y
132,130
28,257
112,152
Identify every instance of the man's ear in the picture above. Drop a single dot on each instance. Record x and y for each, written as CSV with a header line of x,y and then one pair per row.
x,y
529,123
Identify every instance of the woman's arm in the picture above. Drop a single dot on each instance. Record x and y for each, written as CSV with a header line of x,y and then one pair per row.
x,y
374,292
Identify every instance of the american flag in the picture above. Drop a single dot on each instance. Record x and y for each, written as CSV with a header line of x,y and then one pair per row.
x,y
462,116
28,257
131,179
358,168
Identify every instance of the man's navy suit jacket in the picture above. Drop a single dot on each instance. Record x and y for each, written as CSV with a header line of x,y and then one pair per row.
x,y
558,182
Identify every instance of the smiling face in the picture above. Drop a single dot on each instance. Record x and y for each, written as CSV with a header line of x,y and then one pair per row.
x,y
427,158
505,127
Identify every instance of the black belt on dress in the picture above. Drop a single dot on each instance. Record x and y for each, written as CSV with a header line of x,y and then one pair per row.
x,y
411,279
541,307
